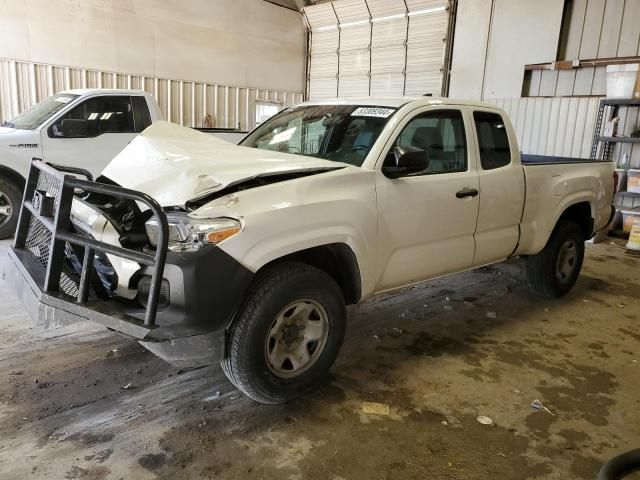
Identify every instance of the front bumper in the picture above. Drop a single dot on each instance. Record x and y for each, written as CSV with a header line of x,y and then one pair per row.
x,y
183,343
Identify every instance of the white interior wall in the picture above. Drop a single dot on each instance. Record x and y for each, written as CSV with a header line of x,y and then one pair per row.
x,y
246,43
495,39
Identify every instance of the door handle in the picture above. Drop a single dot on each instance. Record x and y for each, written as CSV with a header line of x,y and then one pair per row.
x,y
467,192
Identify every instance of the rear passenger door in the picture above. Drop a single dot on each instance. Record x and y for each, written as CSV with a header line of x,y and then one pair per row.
x,y
502,187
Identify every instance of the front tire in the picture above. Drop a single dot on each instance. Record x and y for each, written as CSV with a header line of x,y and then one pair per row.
x,y
554,271
10,200
287,333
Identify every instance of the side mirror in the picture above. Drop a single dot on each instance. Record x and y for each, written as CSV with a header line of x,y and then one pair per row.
x,y
74,128
409,160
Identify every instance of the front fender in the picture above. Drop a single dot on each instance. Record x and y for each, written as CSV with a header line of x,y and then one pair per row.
x,y
301,228
284,218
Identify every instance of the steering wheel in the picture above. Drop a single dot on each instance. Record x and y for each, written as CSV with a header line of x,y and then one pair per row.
x,y
620,466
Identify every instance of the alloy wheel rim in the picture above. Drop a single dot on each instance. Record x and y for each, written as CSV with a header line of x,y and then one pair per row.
x,y
567,259
296,338
6,208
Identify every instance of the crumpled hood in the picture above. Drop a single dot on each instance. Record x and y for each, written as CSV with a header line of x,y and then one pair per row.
x,y
175,164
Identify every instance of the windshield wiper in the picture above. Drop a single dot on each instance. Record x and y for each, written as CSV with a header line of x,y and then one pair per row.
x,y
8,124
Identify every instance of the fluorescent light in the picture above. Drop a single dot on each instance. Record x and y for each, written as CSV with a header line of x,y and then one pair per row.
x,y
428,10
390,17
353,24
328,27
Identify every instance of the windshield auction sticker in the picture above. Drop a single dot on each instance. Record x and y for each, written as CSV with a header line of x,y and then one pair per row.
x,y
372,112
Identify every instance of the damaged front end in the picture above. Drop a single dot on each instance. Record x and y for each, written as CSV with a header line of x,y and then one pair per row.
x,y
65,272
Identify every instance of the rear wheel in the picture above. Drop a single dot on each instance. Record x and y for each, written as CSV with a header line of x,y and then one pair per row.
x,y
10,199
554,270
287,334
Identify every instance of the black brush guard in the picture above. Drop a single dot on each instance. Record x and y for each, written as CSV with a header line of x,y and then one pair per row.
x,y
44,232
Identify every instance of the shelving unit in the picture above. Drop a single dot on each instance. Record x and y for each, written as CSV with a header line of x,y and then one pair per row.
x,y
608,142
624,201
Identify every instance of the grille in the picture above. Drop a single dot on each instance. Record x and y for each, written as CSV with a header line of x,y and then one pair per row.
x,y
38,242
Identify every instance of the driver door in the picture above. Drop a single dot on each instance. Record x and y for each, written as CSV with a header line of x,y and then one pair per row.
x,y
427,220
106,126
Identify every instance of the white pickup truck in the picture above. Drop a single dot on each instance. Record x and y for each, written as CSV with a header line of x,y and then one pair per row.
x,y
80,128
248,255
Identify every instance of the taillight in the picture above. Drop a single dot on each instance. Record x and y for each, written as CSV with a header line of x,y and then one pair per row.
x,y
615,182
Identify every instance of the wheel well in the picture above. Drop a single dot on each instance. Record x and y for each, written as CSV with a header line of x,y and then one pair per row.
x,y
338,261
12,175
580,213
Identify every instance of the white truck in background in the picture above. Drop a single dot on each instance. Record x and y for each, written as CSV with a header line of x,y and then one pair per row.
x,y
247,255
83,128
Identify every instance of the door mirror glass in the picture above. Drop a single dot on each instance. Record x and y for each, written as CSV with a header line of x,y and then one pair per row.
x,y
408,161
74,128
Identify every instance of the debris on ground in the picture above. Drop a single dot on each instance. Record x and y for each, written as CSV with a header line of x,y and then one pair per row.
x,y
448,307
376,338
215,396
127,386
538,405
484,420
620,305
375,408
491,315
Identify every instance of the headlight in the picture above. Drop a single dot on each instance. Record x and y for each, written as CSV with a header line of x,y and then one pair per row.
x,y
187,234
87,218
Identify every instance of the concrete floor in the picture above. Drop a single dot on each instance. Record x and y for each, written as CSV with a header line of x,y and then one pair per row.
x,y
439,355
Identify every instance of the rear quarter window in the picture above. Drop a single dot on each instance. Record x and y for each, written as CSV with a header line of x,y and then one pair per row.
x,y
493,140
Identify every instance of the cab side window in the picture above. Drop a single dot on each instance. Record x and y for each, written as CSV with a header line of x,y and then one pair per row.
x,y
493,140
441,135
95,116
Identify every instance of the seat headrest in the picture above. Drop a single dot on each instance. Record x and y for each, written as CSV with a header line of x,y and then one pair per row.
x,y
427,138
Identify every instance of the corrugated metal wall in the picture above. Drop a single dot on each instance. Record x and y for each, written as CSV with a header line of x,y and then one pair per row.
x,y
186,102
562,122
592,29
564,126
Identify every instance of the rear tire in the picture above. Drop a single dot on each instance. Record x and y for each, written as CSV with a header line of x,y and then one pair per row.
x,y
554,271
287,333
10,201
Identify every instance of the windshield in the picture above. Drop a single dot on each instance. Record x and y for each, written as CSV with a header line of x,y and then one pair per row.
x,y
41,112
342,133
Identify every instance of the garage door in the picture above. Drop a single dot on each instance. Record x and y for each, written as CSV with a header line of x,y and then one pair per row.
x,y
377,47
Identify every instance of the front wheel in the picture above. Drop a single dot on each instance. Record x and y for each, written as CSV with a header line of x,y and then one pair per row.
x,y
10,200
287,334
554,270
